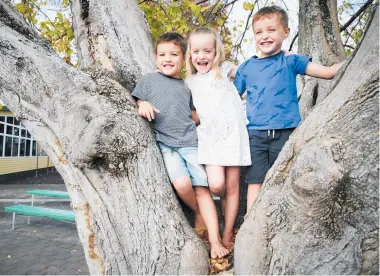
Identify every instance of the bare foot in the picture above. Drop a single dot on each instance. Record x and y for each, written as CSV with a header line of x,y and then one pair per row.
x,y
228,240
199,222
217,250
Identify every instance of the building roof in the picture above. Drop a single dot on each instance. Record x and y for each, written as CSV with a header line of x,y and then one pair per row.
x,y
3,108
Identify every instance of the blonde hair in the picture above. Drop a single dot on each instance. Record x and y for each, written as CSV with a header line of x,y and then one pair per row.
x,y
219,52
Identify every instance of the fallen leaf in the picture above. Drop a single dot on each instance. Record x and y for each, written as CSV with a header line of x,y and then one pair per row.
x,y
9,256
46,266
213,261
74,250
219,265
34,231
79,270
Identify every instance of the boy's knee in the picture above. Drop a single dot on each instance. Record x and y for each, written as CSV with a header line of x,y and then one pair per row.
x,y
182,184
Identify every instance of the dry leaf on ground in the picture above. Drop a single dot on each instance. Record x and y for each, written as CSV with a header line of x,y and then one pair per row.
x,y
219,265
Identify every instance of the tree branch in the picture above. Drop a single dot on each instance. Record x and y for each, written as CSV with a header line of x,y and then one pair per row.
x,y
293,40
201,2
238,45
228,15
37,7
358,13
344,27
349,46
155,2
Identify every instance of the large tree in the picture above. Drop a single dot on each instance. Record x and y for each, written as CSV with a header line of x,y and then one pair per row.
x,y
128,218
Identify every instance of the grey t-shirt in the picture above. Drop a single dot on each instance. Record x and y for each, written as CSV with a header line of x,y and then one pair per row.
x,y
173,126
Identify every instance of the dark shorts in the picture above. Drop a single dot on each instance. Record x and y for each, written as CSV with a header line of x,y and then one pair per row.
x,y
265,146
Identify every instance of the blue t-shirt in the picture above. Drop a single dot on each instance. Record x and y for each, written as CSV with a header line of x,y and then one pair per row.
x,y
271,90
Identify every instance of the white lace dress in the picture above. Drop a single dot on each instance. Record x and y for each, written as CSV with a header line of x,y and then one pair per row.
x,y
222,134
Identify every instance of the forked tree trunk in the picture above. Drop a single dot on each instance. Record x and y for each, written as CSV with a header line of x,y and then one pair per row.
x,y
318,209
319,38
127,216
128,219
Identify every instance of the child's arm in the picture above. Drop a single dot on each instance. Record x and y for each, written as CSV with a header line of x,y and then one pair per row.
x,y
232,74
323,72
195,117
146,110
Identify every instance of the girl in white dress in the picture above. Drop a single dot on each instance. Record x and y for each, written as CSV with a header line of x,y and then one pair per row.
x,y
223,143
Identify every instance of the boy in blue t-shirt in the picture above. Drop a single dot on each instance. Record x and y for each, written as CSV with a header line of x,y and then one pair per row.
x,y
272,105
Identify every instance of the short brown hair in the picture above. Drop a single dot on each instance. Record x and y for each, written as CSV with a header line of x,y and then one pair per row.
x,y
270,10
173,37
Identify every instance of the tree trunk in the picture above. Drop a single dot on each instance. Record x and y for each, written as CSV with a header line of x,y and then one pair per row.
x,y
113,35
319,38
318,209
127,216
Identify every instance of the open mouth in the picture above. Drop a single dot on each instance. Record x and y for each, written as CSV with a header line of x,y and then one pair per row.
x,y
202,63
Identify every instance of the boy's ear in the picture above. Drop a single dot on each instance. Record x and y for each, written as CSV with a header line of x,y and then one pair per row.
x,y
287,32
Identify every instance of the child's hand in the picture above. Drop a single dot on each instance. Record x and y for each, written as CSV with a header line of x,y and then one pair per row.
x,y
232,74
147,110
288,53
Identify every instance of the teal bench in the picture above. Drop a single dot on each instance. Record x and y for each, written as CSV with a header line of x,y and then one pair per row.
x,y
50,193
31,210
35,211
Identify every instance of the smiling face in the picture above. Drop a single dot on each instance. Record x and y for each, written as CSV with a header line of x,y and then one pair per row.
x,y
269,34
202,47
169,59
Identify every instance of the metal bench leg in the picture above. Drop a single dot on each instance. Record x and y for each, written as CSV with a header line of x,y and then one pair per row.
x,y
13,222
31,205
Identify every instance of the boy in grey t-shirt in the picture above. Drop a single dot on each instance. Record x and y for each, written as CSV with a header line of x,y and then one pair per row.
x,y
165,100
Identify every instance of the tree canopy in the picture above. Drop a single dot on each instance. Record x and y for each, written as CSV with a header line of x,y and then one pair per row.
x,y
53,21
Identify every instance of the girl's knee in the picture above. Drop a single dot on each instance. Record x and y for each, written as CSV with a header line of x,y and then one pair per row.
x,y
217,187
232,188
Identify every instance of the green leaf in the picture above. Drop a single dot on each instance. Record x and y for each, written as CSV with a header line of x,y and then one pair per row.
x,y
248,6
220,21
21,8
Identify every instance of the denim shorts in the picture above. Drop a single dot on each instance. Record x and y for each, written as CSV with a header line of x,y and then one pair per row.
x,y
265,146
183,161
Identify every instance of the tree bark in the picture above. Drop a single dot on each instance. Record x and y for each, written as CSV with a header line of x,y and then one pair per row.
x,y
113,35
319,38
127,216
318,209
